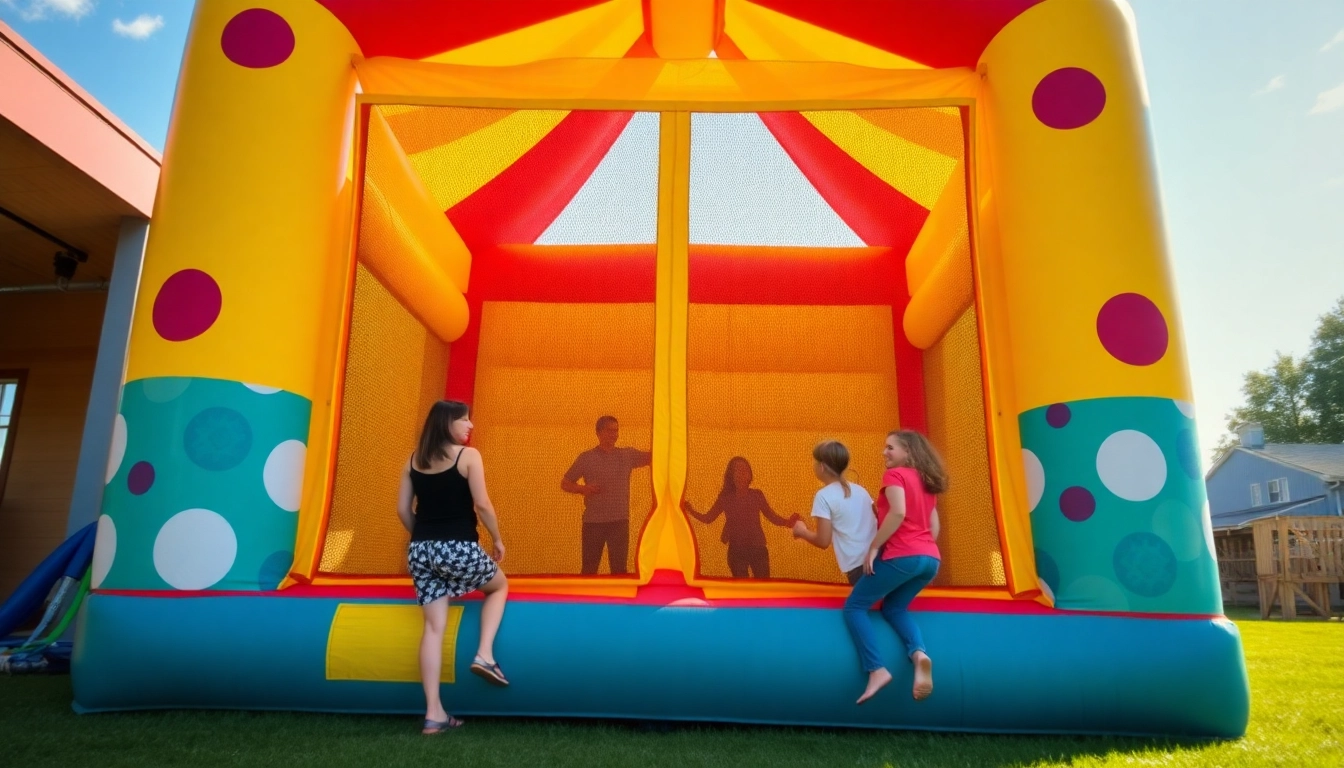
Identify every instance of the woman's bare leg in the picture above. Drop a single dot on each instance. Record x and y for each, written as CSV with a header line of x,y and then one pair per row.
x,y
496,592
431,657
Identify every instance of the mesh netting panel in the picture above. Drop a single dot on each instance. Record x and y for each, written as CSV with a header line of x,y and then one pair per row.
x,y
954,397
394,371
767,383
745,190
420,128
618,204
456,151
936,128
545,373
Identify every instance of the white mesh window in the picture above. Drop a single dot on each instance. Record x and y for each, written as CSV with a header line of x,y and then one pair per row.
x,y
618,204
746,191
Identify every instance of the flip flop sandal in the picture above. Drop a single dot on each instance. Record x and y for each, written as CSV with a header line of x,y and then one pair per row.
x,y
435,727
490,671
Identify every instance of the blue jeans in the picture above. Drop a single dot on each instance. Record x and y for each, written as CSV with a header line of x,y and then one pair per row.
x,y
895,582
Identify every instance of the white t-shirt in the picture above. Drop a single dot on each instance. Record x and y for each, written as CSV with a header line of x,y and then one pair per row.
x,y
853,522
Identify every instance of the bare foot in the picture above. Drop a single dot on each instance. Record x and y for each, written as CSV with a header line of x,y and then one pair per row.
x,y
923,676
876,680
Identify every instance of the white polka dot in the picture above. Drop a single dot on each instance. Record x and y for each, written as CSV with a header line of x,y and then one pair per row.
x,y
262,389
283,474
1035,478
1132,466
104,551
117,450
1178,526
1095,593
1186,409
195,549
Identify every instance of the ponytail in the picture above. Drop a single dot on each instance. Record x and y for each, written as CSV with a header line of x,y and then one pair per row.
x,y
833,455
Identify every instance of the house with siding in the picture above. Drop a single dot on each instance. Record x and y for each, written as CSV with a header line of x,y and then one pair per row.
x,y
1254,480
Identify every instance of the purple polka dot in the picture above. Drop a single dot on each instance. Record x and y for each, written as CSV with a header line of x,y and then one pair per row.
x,y
1077,503
1058,415
187,305
1068,98
1132,329
141,478
257,38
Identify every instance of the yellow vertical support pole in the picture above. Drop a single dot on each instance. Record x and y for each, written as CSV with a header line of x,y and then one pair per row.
x,y
667,543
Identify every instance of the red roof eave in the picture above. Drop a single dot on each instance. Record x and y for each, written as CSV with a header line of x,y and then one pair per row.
x,y
46,104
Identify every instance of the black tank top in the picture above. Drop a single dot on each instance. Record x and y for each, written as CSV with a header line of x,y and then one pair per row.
x,y
443,510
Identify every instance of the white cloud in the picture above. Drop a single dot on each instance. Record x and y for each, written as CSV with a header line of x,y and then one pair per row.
x,y
1337,40
36,10
140,29
1274,84
1329,101
1338,181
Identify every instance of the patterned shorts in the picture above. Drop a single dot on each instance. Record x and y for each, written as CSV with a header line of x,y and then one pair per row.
x,y
451,568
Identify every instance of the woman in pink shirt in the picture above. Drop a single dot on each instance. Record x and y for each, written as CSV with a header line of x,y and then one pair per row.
x,y
902,559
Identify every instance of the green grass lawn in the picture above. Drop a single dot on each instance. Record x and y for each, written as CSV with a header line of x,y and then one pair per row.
x,y
1297,719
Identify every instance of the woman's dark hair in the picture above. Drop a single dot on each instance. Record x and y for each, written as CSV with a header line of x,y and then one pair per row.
x,y
436,433
924,459
729,484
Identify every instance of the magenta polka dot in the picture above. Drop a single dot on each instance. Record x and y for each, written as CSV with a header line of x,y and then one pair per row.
x,y
257,38
1132,329
187,305
1077,503
1068,98
141,478
1058,415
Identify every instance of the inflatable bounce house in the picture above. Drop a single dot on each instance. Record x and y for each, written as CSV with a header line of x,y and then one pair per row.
x,y
737,227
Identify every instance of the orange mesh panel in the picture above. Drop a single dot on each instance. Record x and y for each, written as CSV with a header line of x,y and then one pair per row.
x,y
937,128
916,171
544,374
768,383
954,397
420,128
394,370
453,170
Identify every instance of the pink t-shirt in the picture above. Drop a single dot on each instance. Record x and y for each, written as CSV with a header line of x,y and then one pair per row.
x,y
913,537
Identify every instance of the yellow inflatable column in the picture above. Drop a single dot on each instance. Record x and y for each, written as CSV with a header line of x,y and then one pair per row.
x,y
234,335
1112,473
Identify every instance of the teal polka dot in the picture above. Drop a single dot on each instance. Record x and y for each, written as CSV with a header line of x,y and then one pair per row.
x,y
1145,565
217,439
274,569
1048,570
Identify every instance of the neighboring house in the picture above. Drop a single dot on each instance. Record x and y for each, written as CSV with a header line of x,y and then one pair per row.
x,y
1256,479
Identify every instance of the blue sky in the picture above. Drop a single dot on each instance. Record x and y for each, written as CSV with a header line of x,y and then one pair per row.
x,y
1247,102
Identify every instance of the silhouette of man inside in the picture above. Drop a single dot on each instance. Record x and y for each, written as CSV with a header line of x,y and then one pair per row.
x,y
605,472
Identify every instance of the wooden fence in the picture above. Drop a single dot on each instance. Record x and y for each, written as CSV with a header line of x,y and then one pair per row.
x,y
1298,557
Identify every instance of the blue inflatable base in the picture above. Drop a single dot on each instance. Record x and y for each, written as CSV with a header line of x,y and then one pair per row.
x,y
995,673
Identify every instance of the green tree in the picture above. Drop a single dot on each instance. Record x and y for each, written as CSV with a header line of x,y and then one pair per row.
x,y
1276,398
1324,368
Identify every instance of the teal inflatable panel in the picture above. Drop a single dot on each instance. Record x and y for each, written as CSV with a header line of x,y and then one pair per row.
x,y
1002,673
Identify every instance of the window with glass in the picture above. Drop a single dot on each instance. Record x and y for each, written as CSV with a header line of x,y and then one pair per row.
x,y
11,384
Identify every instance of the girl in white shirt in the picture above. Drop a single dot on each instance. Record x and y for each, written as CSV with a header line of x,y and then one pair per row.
x,y
844,512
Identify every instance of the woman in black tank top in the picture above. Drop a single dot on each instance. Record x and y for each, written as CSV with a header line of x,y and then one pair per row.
x,y
446,481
